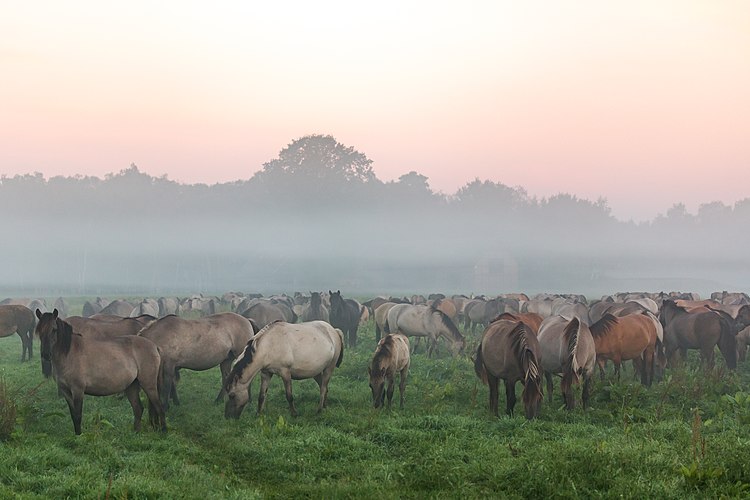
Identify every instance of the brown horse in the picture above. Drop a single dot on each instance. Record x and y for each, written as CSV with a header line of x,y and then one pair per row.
x,y
108,326
532,320
620,339
100,367
198,344
20,320
567,349
700,330
510,351
391,357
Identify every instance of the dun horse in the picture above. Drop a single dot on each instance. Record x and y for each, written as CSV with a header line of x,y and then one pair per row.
x,y
510,351
20,320
292,351
100,367
198,344
424,321
567,349
391,357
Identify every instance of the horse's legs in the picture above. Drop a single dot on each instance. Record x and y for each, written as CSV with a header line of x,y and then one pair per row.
x,y
265,378
618,364
492,381
402,385
353,333
225,366
75,405
24,345
287,378
377,332
156,416
167,389
322,380
586,391
390,388
133,394
548,376
647,373
566,386
510,397
601,362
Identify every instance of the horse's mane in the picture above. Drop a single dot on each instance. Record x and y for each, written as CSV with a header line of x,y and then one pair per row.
x,y
383,351
246,357
64,335
151,323
672,303
448,324
603,326
436,303
570,335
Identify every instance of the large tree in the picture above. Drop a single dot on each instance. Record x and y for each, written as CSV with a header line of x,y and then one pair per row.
x,y
320,157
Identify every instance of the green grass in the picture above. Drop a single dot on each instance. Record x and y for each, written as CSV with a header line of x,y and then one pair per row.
x,y
687,436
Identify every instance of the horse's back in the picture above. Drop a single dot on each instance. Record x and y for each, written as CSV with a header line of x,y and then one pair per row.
x,y
16,317
306,349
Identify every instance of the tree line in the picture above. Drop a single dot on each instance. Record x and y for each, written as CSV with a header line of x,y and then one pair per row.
x,y
317,215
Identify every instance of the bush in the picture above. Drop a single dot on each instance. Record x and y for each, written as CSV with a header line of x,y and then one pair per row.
x,y
8,411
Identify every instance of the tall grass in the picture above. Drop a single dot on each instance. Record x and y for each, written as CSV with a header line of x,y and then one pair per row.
x,y
687,436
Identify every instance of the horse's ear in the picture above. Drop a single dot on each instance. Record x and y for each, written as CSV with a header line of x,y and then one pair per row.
x,y
54,313
39,313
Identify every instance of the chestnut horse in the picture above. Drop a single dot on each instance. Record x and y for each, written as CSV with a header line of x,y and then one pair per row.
x,y
510,351
620,339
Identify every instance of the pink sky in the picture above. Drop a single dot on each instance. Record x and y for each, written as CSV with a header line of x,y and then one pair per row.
x,y
646,103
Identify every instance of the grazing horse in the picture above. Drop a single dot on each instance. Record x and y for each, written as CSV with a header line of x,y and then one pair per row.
x,y
510,351
345,314
20,320
315,310
424,321
628,337
701,330
197,344
264,313
100,367
391,357
121,308
567,349
291,351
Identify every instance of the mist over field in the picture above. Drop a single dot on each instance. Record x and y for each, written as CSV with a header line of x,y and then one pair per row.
x,y
317,217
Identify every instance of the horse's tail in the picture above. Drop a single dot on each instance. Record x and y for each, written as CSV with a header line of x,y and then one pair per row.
x,y
386,327
479,368
571,367
341,353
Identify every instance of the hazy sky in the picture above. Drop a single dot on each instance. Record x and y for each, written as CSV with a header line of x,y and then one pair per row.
x,y
643,102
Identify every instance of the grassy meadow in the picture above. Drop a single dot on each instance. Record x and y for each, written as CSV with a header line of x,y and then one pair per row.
x,y
687,436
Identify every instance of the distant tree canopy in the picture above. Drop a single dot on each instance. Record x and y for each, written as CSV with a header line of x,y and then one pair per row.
x,y
318,204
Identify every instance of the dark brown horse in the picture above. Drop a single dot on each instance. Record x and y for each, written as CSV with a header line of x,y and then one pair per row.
x,y
345,314
510,351
100,367
20,320
700,330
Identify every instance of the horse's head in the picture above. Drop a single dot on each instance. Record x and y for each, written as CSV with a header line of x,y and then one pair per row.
x,y
238,397
743,318
532,395
46,330
377,385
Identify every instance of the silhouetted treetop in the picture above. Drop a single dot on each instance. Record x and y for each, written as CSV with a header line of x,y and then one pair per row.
x,y
320,157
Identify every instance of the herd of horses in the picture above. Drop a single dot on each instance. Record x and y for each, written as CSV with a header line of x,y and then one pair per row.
x,y
524,340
